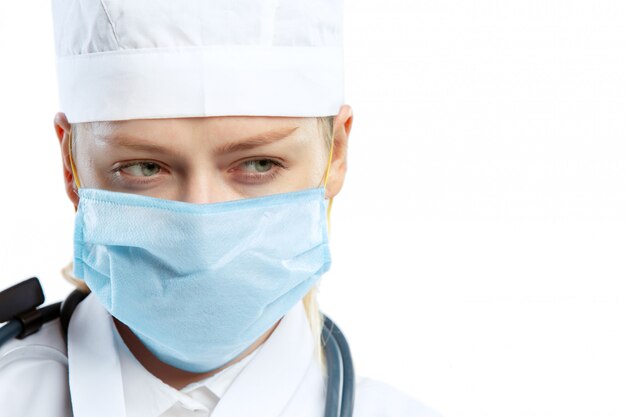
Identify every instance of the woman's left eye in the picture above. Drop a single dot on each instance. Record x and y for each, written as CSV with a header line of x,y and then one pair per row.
x,y
258,165
257,171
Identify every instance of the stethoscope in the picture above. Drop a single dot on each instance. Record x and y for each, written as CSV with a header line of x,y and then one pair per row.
x,y
20,308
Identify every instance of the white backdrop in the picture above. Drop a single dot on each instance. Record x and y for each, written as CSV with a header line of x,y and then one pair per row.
x,y
479,241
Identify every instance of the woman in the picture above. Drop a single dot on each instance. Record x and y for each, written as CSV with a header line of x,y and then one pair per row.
x,y
201,148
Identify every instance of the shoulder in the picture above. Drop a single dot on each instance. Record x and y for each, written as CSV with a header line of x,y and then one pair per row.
x,y
32,369
49,335
377,399
47,339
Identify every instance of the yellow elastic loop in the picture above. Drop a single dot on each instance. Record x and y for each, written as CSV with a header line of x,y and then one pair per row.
x,y
330,203
75,175
330,157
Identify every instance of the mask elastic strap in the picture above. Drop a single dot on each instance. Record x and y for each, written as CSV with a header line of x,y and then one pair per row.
x,y
330,203
74,174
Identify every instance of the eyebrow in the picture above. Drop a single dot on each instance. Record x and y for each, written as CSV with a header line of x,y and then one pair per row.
x,y
264,138
257,140
138,144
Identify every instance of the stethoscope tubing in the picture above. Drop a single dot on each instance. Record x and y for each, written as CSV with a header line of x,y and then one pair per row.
x,y
340,391
10,330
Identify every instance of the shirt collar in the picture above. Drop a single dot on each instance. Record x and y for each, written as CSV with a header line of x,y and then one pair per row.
x,y
147,395
218,384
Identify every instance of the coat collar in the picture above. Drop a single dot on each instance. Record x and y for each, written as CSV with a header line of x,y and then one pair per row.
x,y
274,374
267,383
94,367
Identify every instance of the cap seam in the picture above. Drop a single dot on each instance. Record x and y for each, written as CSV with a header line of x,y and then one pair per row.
x,y
174,49
106,12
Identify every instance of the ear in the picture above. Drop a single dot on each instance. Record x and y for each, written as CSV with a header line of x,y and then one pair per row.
x,y
342,125
62,128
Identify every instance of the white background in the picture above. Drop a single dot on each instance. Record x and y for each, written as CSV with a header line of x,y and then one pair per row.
x,y
479,241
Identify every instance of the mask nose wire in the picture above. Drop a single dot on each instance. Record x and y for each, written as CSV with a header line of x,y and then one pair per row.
x,y
74,173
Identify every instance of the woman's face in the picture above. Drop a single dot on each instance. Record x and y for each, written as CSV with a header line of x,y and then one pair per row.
x,y
204,159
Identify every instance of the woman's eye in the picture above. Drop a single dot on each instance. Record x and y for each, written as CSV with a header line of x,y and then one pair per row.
x,y
141,169
258,165
257,171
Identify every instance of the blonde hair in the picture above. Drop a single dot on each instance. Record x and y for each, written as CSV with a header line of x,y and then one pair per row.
x,y
310,302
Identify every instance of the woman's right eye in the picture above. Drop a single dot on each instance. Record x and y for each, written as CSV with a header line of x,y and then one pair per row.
x,y
140,169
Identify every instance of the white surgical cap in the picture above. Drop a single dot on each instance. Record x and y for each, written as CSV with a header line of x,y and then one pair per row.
x,y
135,59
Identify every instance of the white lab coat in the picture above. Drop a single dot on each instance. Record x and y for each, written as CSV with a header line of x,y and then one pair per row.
x,y
283,379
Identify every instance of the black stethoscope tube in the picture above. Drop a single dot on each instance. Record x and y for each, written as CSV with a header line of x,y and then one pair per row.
x,y
10,330
29,322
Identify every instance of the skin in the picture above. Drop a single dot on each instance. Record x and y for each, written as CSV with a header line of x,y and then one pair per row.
x,y
203,160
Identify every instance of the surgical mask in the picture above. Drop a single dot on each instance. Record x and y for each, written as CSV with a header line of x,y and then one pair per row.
x,y
199,283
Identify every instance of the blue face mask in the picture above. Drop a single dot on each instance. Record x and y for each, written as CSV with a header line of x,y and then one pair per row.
x,y
199,283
